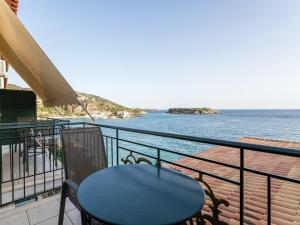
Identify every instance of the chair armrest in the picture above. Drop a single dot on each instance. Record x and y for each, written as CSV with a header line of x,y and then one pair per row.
x,y
72,184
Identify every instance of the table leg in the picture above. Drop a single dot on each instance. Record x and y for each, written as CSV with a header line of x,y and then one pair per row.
x,y
84,219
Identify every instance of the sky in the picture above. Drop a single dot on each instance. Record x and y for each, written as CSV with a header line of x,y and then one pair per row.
x,y
229,54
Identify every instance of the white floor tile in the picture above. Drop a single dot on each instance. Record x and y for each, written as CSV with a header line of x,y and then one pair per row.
x,y
43,212
54,221
17,219
74,216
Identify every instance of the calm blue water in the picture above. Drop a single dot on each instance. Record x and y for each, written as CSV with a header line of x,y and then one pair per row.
x,y
230,125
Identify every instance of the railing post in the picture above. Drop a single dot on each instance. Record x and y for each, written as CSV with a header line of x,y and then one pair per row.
x,y
106,150
54,145
269,199
34,162
54,158
24,166
26,149
158,158
44,159
12,170
1,172
117,138
112,151
242,186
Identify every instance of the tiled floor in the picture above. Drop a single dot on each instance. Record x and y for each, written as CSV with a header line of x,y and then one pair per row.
x,y
43,212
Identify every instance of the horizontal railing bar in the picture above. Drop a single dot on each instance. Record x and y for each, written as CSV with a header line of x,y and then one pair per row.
x,y
49,122
275,176
26,125
183,154
22,178
223,164
234,144
185,167
28,136
279,177
25,128
109,136
217,162
31,196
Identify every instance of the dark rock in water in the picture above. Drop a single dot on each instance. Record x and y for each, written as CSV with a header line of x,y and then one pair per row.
x,y
195,111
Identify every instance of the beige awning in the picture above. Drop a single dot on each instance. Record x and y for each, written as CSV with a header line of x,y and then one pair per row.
x,y
22,52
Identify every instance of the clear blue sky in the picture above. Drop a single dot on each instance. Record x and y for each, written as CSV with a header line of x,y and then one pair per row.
x,y
169,53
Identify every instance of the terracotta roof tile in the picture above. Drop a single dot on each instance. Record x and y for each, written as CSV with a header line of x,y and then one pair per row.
x,y
13,5
285,195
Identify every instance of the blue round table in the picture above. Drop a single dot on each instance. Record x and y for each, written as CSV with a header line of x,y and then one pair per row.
x,y
140,194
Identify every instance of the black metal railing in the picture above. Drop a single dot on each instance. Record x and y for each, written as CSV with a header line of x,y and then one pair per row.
x,y
29,159
128,145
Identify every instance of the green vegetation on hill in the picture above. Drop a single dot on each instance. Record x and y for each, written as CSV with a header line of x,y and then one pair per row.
x,y
16,87
97,106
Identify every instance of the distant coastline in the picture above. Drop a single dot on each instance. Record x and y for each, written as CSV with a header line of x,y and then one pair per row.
x,y
98,107
104,116
151,110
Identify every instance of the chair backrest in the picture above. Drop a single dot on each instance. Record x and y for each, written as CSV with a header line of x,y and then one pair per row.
x,y
83,152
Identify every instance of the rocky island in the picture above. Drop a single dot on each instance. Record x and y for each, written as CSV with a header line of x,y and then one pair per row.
x,y
195,111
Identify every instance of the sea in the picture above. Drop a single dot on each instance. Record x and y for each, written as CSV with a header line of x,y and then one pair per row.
x,y
230,125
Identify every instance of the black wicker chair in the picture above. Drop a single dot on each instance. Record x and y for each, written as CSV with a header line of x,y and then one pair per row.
x,y
83,153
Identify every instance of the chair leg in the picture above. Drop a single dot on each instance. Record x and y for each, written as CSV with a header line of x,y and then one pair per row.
x,y
84,219
62,204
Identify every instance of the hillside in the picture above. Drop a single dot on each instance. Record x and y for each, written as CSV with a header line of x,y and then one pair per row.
x,y
97,106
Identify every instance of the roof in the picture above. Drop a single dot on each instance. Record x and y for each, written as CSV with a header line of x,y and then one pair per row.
x,y
23,53
14,4
285,195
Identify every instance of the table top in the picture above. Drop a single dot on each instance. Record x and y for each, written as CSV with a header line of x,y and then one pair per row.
x,y
140,194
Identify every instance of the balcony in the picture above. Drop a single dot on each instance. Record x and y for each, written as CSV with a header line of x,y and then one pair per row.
x,y
262,176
